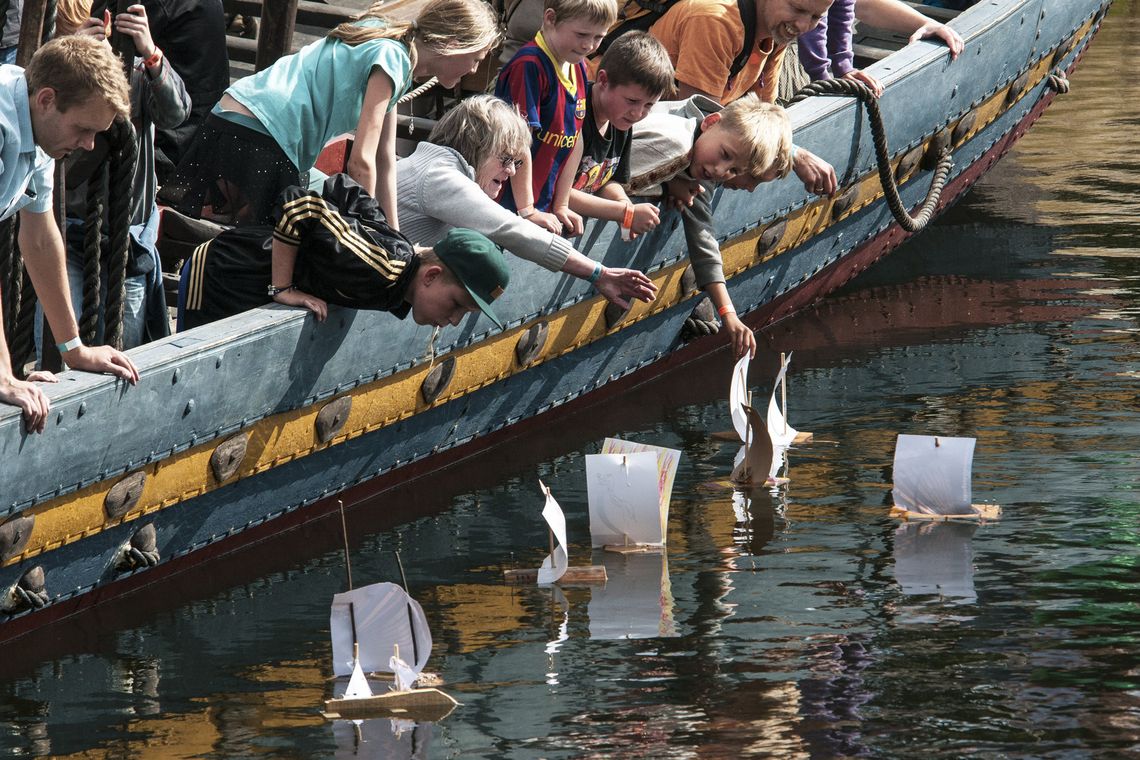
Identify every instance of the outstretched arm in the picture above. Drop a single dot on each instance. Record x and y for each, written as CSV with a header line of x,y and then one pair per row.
x,y
900,17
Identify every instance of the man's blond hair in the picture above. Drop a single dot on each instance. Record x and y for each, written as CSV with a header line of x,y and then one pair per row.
x,y
601,12
70,15
481,127
765,132
78,68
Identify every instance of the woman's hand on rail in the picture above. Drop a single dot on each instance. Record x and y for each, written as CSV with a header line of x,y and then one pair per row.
x,y
933,28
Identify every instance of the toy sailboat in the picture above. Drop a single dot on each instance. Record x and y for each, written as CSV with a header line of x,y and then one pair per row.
x,y
629,486
556,567
932,479
766,440
369,627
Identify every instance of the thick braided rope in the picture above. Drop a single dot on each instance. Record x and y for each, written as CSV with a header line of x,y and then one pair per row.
x,y
22,338
855,89
49,21
7,265
412,94
122,163
92,254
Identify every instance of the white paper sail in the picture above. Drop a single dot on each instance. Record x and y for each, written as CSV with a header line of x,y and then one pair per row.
x,y
932,474
757,461
357,685
667,462
385,617
782,433
637,600
936,558
623,496
554,566
738,397
405,676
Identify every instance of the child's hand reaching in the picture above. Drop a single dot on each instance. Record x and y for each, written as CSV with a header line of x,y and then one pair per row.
x,y
620,285
682,192
646,216
571,222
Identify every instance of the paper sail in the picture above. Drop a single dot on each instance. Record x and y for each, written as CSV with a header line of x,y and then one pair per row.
x,y
385,617
779,430
637,600
357,685
936,558
624,507
738,397
554,566
759,462
624,503
405,676
932,474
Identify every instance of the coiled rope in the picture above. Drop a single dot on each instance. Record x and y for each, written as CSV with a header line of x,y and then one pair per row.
x,y
855,89
26,599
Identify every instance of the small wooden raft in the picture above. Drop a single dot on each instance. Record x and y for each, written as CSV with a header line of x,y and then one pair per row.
x,y
583,575
981,512
418,704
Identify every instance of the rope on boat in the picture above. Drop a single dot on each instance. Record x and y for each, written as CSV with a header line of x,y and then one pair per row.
x,y
418,91
135,558
49,21
854,89
122,162
22,339
27,600
7,265
1059,81
92,255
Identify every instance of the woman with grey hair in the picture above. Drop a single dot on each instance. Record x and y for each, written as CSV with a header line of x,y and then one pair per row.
x,y
455,178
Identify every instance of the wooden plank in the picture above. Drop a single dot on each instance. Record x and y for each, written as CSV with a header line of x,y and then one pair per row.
x,y
587,574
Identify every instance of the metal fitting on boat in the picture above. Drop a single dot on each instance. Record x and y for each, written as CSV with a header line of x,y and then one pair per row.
x,y
331,418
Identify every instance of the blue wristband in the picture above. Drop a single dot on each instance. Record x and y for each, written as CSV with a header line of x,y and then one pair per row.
x,y
63,348
595,274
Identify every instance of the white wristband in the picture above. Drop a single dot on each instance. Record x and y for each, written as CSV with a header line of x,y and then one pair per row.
x,y
63,348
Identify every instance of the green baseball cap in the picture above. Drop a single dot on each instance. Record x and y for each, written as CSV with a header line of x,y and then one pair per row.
x,y
478,264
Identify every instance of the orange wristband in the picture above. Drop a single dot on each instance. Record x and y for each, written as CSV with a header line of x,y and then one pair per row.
x,y
155,58
627,219
727,308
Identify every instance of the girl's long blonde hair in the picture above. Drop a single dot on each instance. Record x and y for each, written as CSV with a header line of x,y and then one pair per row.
x,y
446,27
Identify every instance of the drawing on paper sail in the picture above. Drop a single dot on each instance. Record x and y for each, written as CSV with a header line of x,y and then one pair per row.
x,y
629,486
556,567
373,629
932,479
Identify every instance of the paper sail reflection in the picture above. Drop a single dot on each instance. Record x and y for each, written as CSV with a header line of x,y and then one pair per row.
x,y
637,600
382,738
936,558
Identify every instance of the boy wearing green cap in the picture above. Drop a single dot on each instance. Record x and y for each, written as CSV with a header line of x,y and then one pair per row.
x,y
336,247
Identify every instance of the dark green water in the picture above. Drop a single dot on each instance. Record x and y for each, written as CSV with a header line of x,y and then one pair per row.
x,y
808,624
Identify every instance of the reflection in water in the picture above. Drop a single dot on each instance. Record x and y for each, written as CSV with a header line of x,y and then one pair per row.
x,y
637,600
936,558
385,738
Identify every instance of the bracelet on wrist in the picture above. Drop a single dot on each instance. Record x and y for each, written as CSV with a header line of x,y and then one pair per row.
x,y
595,274
155,58
726,309
527,212
627,217
275,290
69,345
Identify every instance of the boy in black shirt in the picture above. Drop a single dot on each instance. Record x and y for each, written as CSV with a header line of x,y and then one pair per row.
x,y
633,75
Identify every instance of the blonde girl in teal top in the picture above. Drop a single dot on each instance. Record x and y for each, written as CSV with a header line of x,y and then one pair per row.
x,y
268,129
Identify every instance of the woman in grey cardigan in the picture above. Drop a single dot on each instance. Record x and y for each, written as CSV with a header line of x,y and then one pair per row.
x,y
454,179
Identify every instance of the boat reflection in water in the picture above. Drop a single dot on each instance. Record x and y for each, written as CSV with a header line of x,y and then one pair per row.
x,y
936,558
637,600
386,738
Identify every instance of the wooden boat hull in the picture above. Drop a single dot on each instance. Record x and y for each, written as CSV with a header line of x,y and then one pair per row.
x,y
258,424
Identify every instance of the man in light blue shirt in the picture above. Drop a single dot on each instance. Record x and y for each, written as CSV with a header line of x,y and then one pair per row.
x,y
73,88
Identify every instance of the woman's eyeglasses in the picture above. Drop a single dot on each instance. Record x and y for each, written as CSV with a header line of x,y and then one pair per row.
x,y
509,162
